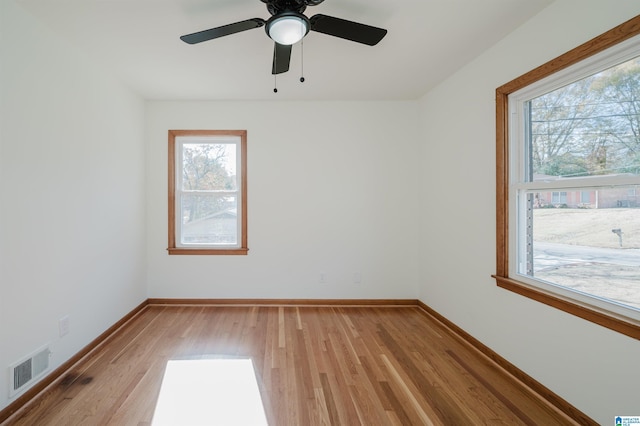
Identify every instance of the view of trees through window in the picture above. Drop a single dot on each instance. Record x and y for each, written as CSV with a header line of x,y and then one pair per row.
x,y
209,193
582,230
590,127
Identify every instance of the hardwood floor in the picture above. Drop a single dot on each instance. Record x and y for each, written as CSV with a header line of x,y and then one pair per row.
x,y
314,365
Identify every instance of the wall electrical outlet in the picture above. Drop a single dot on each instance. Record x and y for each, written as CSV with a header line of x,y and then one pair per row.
x,y
357,278
63,325
322,279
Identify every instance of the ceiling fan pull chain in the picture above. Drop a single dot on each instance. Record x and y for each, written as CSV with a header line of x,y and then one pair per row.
x,y
302,61
275,74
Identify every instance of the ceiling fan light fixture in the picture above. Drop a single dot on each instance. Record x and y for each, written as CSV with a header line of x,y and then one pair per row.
x,y
287,28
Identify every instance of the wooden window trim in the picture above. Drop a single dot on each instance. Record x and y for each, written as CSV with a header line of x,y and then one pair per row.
x,y
606,319
172,249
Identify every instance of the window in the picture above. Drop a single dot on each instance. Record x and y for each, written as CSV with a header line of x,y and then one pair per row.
x,y
568,160
559,197
585,198
207,192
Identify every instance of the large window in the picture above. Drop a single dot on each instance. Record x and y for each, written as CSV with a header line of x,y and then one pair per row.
x,y
207,192
568,151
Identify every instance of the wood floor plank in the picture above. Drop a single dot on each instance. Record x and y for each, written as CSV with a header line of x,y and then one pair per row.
x,y
314,365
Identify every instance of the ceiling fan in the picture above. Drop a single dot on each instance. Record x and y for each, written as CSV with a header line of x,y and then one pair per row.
x,y
288,25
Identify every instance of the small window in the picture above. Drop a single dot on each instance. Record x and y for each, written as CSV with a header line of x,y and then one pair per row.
x,y
585,198
207,192
559,197
568,151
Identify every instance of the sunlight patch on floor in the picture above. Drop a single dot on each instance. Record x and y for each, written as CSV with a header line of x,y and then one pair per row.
x,y
209,392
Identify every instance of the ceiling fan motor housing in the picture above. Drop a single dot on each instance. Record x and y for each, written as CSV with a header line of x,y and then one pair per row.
x,y
276,7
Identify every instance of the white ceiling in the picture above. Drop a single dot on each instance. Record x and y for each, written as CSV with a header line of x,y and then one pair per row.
x,y
139,41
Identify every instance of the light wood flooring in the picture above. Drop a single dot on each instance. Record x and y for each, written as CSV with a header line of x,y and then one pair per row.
x,y
314,366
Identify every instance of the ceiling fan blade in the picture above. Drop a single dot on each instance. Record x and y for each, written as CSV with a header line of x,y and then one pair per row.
x,y
281,58
348,30
222,31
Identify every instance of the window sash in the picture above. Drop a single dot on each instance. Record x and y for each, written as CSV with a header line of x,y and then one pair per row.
x,y
522,269
183,232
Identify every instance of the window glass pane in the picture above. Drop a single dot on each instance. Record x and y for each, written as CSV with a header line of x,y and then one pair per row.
x,y
209,166
585,198
588,128
594,250
209,218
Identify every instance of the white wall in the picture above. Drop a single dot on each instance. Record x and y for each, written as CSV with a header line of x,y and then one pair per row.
x,y
594,369
72,185
331,189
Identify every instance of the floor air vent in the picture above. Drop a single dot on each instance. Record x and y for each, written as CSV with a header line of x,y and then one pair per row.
x,y
28,370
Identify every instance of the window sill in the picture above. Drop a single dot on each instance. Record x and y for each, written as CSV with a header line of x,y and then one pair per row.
x,y
200,251
605,319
